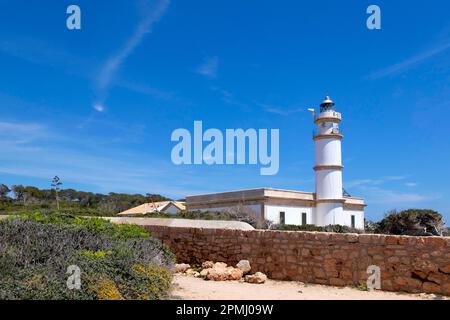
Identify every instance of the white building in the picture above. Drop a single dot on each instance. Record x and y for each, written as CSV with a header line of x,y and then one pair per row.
x,y
326,206
169,207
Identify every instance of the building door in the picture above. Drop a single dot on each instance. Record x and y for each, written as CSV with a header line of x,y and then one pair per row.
x,y
282,217
353,221
304,218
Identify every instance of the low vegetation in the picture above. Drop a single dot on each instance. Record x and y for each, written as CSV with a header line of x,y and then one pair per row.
x,y
19,199
39,253
414,222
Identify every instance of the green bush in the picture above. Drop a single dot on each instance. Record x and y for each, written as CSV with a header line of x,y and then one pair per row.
x,y
416,222
116,261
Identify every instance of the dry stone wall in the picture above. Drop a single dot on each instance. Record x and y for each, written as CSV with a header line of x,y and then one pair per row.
x,y
409,264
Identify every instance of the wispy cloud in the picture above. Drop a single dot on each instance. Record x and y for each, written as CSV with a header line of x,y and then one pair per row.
x,y
383,196
147,90
409,63
282,111
361,182
411,184
377,191
111,66
228,98
41,52
372,182
209,67
99,107
28,150
15,133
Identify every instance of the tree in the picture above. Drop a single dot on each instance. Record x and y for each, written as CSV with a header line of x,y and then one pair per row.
x,y
370,226
20,193
418,222
55,186
4,190
243,213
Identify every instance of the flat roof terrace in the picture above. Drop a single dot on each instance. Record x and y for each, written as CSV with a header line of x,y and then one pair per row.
x,y
261,195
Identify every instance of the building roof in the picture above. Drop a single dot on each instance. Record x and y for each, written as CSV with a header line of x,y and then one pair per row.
x,y
261,194
154,206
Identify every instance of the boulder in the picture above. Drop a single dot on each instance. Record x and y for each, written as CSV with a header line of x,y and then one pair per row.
x,y
192,272
258,278
244,265
207,264
181,267
204,272
220,265
234,273
220,272
217,274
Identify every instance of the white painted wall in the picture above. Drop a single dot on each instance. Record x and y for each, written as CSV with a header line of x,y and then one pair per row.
x,y
293,214
172,210
359,218
322,215
328,184
328,152
329,213
254,207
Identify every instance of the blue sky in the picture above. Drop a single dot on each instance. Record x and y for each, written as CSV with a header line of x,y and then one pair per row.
x,y
97,106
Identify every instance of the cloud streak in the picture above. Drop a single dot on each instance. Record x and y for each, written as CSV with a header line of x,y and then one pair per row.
x,y
228,98
280,110
372,182
209,67
29,150
15,133
377,195
112,65
409,63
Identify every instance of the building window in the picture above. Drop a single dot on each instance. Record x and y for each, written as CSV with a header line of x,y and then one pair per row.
x,y
353,221
282,217
304,218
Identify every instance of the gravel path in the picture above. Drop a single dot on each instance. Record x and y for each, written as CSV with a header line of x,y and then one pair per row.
x,y
190,288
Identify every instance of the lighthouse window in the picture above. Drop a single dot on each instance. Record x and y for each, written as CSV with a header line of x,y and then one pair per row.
x,y
304,218
353,221
282,217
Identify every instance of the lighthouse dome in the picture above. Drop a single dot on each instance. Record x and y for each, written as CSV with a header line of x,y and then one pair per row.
x,y
327,102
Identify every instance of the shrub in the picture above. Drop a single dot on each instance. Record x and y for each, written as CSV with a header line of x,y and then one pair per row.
x,y
417,222
116,261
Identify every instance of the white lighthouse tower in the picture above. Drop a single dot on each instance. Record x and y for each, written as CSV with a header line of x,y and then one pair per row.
x,y
328,166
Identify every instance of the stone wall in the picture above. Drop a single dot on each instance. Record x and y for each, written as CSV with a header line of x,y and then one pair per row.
x,y
409,264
